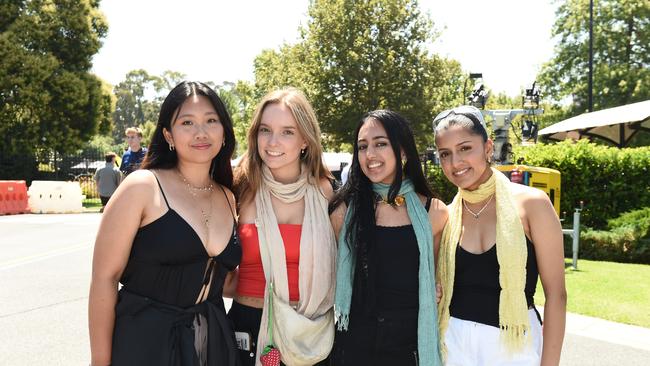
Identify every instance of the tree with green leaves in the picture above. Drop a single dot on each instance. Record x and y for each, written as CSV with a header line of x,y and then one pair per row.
x,y
48,98
240,102
135,102
621,54
139,97
354,57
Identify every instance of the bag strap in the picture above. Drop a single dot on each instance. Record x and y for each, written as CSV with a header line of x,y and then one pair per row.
x,y
265,253
270,306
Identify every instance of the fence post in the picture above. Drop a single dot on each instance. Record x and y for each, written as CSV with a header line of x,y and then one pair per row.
x,y
576,235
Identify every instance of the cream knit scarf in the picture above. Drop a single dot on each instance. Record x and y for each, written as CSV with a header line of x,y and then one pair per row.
x,y
316,265
511,255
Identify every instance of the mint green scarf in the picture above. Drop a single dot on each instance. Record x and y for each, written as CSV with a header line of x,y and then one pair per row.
x,y
428,348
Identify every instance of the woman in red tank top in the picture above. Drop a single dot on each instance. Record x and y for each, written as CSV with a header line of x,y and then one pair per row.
x,y
283,188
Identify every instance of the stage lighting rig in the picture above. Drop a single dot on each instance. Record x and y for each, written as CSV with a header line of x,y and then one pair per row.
x,y
530,104
529,130
531,97
479,96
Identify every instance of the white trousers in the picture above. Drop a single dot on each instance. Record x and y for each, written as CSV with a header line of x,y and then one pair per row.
x,y
475,344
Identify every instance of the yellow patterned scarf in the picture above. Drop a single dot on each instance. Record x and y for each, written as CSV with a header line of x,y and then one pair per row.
x,y
511,255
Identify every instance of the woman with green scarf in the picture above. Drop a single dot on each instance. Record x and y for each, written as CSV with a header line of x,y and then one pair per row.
x,y
387,222
499,238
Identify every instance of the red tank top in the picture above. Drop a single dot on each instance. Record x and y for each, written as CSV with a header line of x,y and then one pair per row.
x,y
251,273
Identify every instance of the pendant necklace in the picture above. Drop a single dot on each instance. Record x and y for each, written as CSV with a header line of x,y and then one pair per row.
x,y
477,214
193,192
399,200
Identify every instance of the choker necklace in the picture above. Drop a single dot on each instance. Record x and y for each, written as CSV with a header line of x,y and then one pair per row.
x,y
399,200
191,190
477,214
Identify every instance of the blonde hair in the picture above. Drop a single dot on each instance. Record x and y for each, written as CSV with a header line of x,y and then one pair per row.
x,y
135,130
248,176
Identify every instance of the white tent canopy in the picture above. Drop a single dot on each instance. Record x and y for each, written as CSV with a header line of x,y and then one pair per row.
x,y
616,125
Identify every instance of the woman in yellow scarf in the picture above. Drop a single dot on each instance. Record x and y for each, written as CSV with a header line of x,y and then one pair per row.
x,y
500,236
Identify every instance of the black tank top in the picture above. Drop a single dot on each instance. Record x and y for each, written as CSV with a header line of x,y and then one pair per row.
x,y
476,285
168,262
393,272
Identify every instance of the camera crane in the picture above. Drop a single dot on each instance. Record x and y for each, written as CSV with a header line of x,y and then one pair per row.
x,y
548,180
502,118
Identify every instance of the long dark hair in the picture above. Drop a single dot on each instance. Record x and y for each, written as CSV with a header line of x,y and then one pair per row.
x,y
160,156
357,191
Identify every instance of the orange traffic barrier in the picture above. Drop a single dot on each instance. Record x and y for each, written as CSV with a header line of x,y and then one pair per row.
x,y
13,197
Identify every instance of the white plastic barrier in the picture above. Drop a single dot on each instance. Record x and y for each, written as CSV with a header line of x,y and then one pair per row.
x,y
55,197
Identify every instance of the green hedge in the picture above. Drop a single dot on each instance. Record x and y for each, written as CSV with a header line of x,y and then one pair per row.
x,y
609,180
627,240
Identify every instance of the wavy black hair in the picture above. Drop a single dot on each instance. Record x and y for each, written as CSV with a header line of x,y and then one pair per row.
x,y
357,191
160,156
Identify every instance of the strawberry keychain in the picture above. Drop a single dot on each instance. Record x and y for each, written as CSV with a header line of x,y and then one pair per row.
x,y
270,355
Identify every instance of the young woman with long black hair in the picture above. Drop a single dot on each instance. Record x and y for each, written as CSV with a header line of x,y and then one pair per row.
x,y
168,236
389,227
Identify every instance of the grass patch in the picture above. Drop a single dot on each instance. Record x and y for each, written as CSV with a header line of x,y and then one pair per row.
x,y
91,204
614,291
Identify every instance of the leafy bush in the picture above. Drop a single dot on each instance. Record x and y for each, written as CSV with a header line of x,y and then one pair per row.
x,y
609,180
627,240
439,184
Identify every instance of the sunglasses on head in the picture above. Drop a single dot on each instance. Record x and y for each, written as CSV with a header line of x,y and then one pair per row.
x,y
473,113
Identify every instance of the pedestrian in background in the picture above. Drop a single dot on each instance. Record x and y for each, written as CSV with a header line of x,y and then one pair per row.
x,y
135,154
107,179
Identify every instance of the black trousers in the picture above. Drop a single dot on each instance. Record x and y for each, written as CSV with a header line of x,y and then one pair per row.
x,y
247,319
390,338
104,199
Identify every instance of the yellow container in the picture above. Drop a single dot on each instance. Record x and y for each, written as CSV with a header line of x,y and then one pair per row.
x,y
546,179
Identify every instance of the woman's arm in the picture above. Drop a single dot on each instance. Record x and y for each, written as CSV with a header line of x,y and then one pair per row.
x,y
120,222
546,234
326,187
337,217
230,282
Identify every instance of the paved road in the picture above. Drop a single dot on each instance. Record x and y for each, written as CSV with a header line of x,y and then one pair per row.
x,y
45,263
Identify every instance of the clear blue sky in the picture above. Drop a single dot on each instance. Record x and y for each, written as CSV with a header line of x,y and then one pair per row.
x,y
506,40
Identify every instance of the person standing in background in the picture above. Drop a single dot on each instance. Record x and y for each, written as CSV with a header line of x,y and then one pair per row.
x,y
107,179
134,156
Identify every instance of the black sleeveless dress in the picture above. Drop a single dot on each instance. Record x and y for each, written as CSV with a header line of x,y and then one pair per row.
x,y
156,316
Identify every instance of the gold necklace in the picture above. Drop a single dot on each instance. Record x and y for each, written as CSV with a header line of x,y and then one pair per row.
x,y
191,189
399,200
477,214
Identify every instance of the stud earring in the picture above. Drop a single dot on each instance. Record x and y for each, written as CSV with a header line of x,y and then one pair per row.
x,y
302,151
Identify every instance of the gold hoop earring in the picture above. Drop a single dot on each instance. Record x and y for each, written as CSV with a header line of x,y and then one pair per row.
x,y
224,143
171,147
